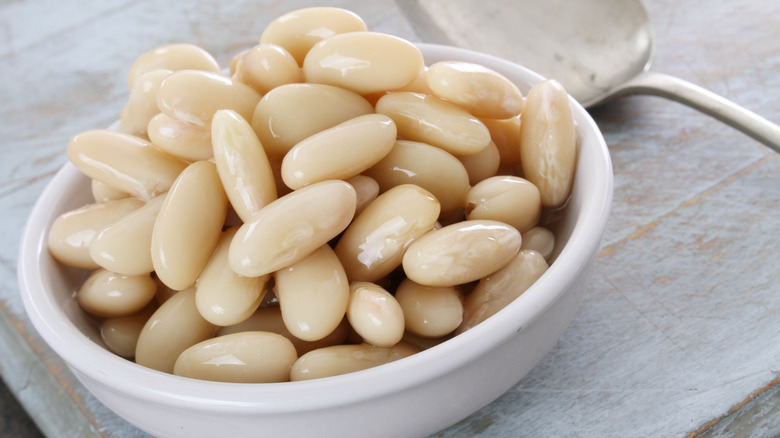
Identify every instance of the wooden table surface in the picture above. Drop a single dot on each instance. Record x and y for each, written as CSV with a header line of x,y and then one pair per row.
x,y
679,334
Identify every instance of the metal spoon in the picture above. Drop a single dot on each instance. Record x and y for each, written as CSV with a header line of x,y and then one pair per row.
x,y
598,49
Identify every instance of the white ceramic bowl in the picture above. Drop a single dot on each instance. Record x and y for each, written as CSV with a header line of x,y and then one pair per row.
x,y
415,396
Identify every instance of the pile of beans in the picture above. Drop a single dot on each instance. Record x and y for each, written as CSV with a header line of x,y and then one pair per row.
x,y
330,205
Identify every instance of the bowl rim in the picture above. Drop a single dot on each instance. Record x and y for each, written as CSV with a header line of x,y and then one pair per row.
x,y
142,383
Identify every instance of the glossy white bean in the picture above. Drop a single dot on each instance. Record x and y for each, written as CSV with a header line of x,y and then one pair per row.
x,y
246,357
510,199
222,296
548,142
461,252
178,56
431,312
109,295
292,227
242,164
340,152
343,359
313,294
375,314
175,326
188,226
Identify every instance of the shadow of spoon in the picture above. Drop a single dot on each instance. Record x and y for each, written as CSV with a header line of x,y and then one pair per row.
x,y
599,50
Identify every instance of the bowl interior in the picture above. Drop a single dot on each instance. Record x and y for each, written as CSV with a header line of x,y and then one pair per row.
x,y
48,289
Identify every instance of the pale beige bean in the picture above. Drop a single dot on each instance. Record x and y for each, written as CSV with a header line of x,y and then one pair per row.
x,y
120,334
109,295
188,226
265,67
181,139
292,112
506,135
509,199
292,227
428,119
269,319
340,152
374,243
436,170
483,164
214,92
343,359
247,357
128,163
364,62
367,190
497,290
375,314
71,234
541,240
299,30
313,294
103,192
481,91
431,312
141,106
222,296
125,247
172,57
548,142
461,252
422,342
242,164
174,327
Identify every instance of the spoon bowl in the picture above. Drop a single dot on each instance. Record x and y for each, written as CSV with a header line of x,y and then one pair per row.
x,y
599,50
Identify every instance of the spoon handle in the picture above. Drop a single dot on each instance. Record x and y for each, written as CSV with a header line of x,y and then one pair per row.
x,y
660,84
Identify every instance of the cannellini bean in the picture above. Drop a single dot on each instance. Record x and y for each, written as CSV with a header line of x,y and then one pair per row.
x,y
103,192
340,152
242,164
539,239
366,188
497,290
431,312
269,319
290,113
313,294
71,234
436,170
188,226
222,296
181,139
428,119
172,328
120,334
299,30
548,142
172,57
141,106
265,67
246,357
109,295
483,164
215,92
125,247
343,359
374,243
506,135
364,62
461,252
508,199
292,227
128,163
375,314
422,342
482,91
